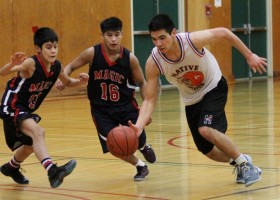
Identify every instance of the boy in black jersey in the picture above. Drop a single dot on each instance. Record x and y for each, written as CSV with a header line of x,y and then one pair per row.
x,y
23,95
113,71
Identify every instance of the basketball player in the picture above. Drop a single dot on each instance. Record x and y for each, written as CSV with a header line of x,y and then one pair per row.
x,y
188,65
113,71
24,94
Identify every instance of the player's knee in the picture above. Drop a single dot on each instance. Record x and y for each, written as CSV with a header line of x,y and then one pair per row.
x,y
211,153
39,134
205,132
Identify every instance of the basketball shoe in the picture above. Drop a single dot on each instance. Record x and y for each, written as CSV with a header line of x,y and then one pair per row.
x,y
239,176
250,173
14,173
149,153
142,172
56,174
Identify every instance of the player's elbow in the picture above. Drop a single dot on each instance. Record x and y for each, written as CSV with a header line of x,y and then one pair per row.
x,y
68,83
224,33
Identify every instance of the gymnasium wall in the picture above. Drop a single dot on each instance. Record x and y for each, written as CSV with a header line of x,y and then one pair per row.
x,y
276,38
77,24
196,20
219,17
75,21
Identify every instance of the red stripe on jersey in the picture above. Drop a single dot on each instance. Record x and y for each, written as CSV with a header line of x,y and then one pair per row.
x,y
12,83
107,58
43,66
15,118
134,103
14,100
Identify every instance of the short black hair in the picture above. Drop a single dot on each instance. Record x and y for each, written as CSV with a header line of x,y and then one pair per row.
x,y
43,35
161,21
111,24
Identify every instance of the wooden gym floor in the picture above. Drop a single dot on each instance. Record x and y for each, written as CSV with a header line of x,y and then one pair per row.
x,y
181,172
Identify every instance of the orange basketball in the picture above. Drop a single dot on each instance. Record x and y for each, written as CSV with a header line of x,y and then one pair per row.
x,y
122,141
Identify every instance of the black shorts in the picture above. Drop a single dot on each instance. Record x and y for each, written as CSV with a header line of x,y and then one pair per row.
x,y
210,111
107,117
14,137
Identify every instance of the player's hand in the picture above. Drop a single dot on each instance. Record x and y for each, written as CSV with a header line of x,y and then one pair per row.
x,y
135,128
257,64
60,85
17,58
83,78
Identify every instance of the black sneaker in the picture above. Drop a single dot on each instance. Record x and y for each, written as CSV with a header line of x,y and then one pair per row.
x,y
15,174
142,172
57,174
149,153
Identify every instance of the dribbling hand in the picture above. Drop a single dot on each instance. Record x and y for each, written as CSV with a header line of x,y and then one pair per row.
x,y
135,128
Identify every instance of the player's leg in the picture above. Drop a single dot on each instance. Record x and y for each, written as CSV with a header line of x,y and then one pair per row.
x,y
23,146
13,167
213,125
56,174
107,118
146,149
141,167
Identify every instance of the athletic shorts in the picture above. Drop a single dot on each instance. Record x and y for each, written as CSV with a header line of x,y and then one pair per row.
x,y
14,137
210,111
106,118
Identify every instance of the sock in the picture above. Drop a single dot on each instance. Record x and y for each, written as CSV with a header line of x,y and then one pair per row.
x,y
47,163
13,163
232,162
140,163
240,159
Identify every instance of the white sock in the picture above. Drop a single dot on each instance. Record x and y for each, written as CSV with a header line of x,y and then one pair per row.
x,y
140,163
240,159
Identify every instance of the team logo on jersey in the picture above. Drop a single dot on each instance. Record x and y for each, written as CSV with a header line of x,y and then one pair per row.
x,y
193,79
208,119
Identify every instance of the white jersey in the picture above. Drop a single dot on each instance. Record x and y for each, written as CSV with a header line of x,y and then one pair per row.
x,y
194,74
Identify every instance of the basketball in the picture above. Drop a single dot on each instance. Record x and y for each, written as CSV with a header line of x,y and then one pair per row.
x,y
122,141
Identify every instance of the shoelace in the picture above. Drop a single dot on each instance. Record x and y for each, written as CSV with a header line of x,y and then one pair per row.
x,y
245,171
236,170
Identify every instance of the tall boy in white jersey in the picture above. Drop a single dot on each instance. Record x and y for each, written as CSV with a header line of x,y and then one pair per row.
x,y
185,63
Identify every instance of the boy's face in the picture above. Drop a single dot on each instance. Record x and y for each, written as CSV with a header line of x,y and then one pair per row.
x,y
112,39
163,40
49,51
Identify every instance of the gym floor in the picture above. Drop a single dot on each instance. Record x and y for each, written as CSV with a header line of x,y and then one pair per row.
x,y
181,172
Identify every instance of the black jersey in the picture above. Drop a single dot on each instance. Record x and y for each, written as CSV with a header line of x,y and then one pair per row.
x,y
110,83
26,95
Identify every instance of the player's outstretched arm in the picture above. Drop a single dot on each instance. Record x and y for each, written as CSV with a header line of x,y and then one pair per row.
x,y
73,82
84,58
202,38
14,65
151,93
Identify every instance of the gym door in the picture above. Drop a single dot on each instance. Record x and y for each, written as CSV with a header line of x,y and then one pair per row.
x,y
249,24
143,11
